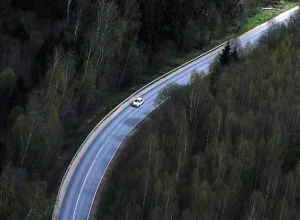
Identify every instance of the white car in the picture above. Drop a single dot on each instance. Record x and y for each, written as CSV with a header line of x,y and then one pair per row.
x,y
138,102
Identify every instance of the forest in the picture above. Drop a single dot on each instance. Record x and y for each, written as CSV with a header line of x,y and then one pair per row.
x,y
62,63
225,146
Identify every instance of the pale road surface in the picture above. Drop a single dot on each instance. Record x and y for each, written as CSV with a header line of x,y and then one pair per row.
x,y
81,190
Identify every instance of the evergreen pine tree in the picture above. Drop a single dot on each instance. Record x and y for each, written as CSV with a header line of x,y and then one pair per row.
x,y
234,54
224,57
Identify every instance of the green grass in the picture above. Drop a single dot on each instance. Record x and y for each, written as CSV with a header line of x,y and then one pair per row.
x,y
241,27
174,61
178,59
264,16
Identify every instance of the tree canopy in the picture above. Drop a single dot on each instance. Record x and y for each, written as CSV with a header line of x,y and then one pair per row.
x,y
222,149
64,62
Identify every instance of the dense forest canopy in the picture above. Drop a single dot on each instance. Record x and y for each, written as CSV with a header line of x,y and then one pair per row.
x,y
62,61
226,146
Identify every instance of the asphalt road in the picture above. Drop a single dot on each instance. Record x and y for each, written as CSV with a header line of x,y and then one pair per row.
x,y
88,174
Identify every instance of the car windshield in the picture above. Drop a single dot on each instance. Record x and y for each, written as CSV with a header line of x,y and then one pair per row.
x,y
138,100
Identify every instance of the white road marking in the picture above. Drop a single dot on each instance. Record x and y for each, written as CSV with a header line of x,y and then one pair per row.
x,y
120,144
188,75
79,195
117,150
80,192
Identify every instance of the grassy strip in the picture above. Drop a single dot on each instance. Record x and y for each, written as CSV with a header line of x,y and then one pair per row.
x,y
242,27
174,61
264,16
178,59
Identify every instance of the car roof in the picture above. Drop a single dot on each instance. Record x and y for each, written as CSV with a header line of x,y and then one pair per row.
x,y
139,99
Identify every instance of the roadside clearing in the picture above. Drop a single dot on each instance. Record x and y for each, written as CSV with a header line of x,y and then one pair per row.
x,y
120,107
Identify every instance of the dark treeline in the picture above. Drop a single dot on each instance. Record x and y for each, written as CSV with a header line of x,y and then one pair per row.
x,y
61,61
226,146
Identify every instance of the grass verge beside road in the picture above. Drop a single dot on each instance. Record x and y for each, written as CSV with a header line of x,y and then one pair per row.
x,y
263,16
120,96
241,27
176,60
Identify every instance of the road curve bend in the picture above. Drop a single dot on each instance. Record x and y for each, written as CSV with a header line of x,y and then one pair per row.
x,y
84,175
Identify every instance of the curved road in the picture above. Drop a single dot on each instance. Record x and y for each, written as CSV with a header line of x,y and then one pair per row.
x,y
82,188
